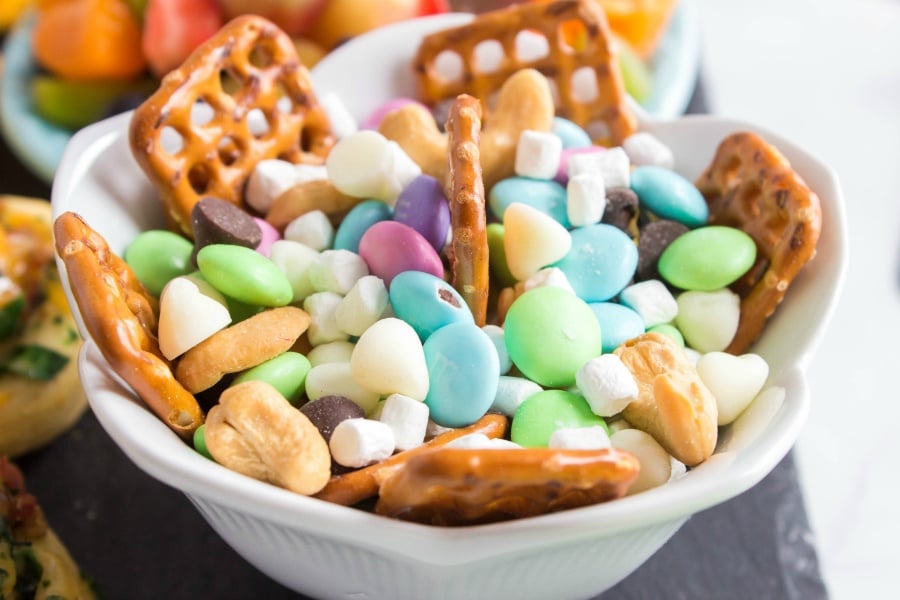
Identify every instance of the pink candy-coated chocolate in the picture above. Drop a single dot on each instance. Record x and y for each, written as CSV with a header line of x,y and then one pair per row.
x,y
374,119
562,173
390,248
270,235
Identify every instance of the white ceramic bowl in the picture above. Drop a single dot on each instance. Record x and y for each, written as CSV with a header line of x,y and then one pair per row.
x,y
325,550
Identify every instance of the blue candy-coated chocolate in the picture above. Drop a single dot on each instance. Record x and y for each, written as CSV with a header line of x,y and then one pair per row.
x,y
618,323
571,134
358,220
427,303
668,195
600,264
545,195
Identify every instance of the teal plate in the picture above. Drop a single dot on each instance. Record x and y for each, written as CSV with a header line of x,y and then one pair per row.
x,y
40,144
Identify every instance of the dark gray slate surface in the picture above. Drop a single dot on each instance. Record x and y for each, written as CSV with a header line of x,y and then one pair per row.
x,y
141,539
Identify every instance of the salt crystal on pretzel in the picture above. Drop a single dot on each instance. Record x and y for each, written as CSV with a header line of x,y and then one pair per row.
x,y
216,154
579,50
751,185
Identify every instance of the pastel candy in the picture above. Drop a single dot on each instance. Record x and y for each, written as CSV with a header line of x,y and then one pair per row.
x,y
497,255
532,240
571,134
618,323
157,256
285,372
669,195
669,330
707,258
388,359
389,248
270,235
244,274
733,380
550,334
600,264
357,222
463,373
427,303
423,206
546,196
708,320
543,413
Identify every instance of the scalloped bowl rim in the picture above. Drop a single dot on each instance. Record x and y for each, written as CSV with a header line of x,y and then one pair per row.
x,y
99,179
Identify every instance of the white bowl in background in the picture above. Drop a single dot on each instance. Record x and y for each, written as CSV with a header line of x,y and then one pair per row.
x,y
330,551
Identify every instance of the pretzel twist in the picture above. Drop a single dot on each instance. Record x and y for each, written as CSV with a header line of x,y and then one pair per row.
x,y
750,185
121,318
579,42
216,157
465,191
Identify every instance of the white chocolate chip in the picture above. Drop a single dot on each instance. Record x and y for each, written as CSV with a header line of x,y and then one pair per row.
x,y
656,464
335,379
708,320
323,328
652,300
733,380
190,310
532,240
362,306
294,260
313,229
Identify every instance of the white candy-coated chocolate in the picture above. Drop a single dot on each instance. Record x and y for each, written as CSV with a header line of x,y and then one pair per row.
x,y
272,177
338,351
708,320
579,438
407,418
323,327
341,121
190,310
612,165
389,358
538,154
337,271
652,300
294,260
313,229
512,392
335,379
644,148
362,306
585,199
532,240
360,442
607,385
656,464
733,380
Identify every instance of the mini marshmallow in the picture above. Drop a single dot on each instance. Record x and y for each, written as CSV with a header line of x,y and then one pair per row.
x,y
337,271
579,438
323,327
607,385
335,379
549,276
644,148
613,166
652,300
479,441
363,305
360,442
495,332
407,418
538,154
294,260
272,177
435,429
329,352
512,392
585,199
190,310
656,464
313,229
365,164
341,121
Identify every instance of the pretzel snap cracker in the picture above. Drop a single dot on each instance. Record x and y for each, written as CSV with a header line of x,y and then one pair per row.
x,y
580,61
465,191
456,486
249,68
750,185
122,318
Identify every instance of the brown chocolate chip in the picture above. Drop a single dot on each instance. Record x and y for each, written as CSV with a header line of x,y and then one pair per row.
x,y
621,209
328,411
217,221
654,238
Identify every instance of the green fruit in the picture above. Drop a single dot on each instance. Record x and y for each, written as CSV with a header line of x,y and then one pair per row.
x,y
635,73
74,104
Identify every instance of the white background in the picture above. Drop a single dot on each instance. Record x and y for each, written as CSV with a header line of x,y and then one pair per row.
x,y
826,74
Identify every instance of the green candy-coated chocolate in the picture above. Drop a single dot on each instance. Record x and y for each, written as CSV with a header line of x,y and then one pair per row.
x,y
200,442
669,330
497,255
543,413
244,275
550,333
285,372
707,258
157,256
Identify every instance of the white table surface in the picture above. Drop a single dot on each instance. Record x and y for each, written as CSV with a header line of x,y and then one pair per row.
x,y
826,74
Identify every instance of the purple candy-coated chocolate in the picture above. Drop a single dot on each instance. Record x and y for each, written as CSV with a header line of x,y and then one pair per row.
x,y
423,206
562,173
270,235
389,248
375,117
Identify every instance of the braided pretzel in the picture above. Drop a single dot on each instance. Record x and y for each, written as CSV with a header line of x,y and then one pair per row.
x,y
751,186
456,486
563,63
465,190
121,318
216,157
